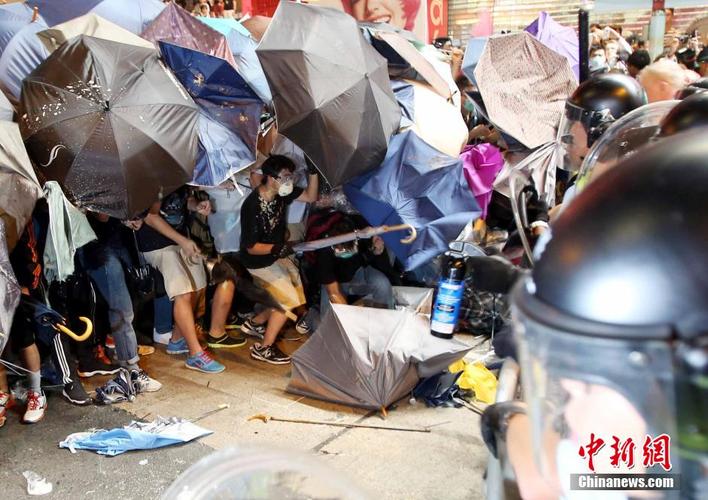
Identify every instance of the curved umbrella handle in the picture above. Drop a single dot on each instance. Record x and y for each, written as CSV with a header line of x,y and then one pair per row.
x,y
79,338
400,227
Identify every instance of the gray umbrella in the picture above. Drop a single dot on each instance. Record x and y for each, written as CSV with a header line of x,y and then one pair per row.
x,y
6,108
370,358
10,290
331,89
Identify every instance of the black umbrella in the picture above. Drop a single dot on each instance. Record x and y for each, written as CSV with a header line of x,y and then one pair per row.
x,y
331,89
111,124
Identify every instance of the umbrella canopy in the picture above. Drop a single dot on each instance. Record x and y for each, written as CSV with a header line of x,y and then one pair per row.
x,y
19,188
133,16
20,49
562,39
7,110
473,52
9,290
243,46
434,119
524,85
257,26
176,25
331,89
481,164
110,123
420,186
93,25
229,112
370,358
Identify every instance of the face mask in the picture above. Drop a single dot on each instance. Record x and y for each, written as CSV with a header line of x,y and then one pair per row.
x,y
469,106
285,188
596,62
345,255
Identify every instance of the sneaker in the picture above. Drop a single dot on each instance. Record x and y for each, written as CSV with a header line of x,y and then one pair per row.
x,y
36,405
91,367
161,338
252,329
143,383
4,403
179,347
75,393
204,363
100,354
270,354
120,389
145,350
302,326
225,342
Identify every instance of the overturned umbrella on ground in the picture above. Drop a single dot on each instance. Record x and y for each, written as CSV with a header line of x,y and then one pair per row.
x,y
110,123
19,188
420,186
331,89
229,117
92,25
20,49
133,16
371,358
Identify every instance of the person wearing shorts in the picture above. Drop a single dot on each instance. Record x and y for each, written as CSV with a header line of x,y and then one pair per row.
x,y
163,240
266,253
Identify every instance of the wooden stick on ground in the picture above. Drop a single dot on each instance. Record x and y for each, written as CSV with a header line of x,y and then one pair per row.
x,y
266,418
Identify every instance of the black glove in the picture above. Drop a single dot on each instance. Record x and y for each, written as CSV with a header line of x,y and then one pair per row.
x,y
282,250
536,208
495,421
311,168
493,273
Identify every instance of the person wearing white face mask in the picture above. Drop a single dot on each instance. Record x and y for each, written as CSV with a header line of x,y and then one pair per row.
x,y
265,250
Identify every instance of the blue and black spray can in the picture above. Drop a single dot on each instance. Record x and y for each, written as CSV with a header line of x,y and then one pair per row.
x,y
449,296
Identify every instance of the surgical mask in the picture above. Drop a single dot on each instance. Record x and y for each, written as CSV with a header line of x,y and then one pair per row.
x,y
345,255
469,106
596,63
285,188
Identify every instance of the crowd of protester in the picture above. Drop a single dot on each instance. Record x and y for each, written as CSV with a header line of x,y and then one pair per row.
x,y
193,306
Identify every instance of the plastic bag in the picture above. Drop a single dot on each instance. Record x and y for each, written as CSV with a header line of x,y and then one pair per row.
x,y
476,377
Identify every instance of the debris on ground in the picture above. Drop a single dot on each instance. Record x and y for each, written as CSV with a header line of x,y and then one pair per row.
x,y
36,484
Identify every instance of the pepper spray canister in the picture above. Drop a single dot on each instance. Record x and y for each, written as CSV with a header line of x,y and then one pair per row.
x,y
448,298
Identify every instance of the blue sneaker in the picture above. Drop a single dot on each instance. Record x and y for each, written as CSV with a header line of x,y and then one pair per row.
x,y
179,347
204,363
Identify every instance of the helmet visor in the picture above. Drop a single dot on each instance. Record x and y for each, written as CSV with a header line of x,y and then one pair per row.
x,y
584,387
573,137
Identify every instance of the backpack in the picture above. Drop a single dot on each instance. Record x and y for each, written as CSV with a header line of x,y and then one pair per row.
x,y
319,224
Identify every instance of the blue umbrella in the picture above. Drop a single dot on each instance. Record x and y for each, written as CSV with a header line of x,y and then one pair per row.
x,y
230,112
20,48
243,47
417,185
133,16
404,93
475,47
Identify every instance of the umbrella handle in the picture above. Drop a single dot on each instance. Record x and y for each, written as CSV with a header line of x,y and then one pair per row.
x,y
400,227
79,338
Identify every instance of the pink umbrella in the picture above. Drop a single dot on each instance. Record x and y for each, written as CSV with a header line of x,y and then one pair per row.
x,y
176,25
481,164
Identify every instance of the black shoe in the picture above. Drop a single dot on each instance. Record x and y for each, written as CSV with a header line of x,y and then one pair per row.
x,y
225,342
74,393
270,354
90,367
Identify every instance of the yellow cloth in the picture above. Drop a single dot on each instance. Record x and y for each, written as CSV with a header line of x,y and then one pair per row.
x,y
476,377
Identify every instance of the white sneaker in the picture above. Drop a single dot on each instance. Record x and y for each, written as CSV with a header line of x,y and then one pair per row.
x,y
161,338
4,402
143,383
36,405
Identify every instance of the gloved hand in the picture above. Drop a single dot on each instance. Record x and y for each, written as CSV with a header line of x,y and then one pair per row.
x,y
493,273
282,250
311,168
495,421
536,208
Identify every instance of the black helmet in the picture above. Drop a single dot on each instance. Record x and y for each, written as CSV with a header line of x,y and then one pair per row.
x,y
700,85
603,99
690,113
613,321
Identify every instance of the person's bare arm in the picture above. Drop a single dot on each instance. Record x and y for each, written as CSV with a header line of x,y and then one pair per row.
x,y
312,193
155,221
335,293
